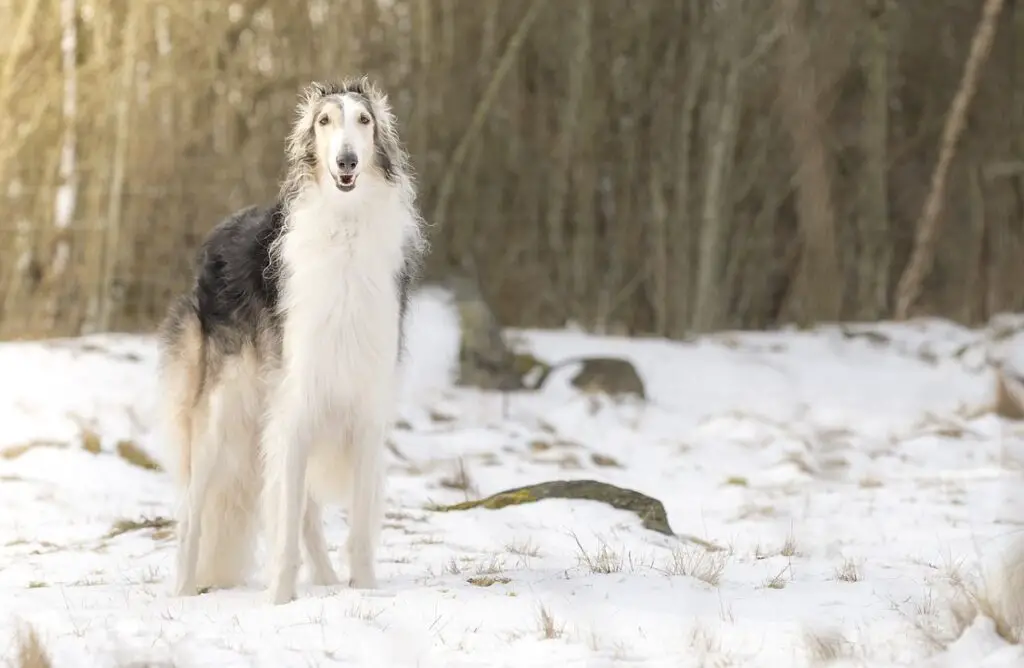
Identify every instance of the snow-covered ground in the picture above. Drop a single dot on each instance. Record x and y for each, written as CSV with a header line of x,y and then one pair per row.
x,y
852,482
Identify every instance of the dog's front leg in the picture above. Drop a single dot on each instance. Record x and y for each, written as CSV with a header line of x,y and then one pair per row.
x,y
287,448
316,546
366,508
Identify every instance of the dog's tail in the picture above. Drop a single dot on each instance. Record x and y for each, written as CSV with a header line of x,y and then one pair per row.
x,y
181,379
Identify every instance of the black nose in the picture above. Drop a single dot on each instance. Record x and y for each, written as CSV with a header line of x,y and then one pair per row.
x,y
347,162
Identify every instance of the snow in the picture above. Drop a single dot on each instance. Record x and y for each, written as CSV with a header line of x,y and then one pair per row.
x,y
851,476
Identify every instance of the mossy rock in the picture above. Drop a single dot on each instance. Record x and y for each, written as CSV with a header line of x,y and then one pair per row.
x,y
525,363
485,359
609,375
613,376
650,511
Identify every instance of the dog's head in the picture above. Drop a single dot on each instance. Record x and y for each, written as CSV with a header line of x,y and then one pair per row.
x,y
344,133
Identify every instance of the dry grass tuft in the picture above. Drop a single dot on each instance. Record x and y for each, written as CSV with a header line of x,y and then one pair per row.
x,y
442,416
1003,603
460,480
159,524
488,580
780,579
452,567
549,628
605,561
705,566
367,614
787,549
802,462
91,442
847,571
495,565
605,460
870,482
754,510
15,451
789,546
30,651
707,645
997,596
824,648
538,445
525,548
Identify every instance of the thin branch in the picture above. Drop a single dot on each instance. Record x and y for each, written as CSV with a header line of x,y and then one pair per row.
x,y
483,108
909,288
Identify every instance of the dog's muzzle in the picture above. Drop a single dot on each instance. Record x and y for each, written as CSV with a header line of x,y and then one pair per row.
x,y
346,178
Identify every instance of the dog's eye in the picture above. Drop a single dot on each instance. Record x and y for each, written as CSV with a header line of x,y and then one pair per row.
x,y
324,120
364,119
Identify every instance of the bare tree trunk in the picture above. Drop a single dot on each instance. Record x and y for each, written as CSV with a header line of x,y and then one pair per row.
x,y
18,253
18,39
875,249
561,163
683,222
67,193
104,295
420,122
708,312
817,293
584,198
659,244
923,254
978,266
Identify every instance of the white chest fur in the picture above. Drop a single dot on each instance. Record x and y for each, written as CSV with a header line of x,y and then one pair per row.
x,y
340,257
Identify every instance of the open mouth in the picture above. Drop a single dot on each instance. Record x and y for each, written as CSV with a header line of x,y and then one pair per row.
x,y
346,182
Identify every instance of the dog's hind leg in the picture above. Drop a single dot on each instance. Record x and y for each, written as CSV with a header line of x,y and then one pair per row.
x,y
202,471
320,569
229,516
225,552
183,414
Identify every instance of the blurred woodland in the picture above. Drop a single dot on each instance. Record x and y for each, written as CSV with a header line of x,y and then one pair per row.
x,y
635,166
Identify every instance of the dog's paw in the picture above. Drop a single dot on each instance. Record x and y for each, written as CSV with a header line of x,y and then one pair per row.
x,y
326,578
362,581
281,593
278,596
186,588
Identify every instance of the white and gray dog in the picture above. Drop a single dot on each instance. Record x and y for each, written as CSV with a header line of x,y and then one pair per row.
x,y
279,369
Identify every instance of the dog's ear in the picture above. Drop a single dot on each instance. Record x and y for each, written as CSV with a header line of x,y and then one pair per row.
x,y
380,104
390,154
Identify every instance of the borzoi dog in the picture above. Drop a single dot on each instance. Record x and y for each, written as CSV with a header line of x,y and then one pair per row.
x,y
288,347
